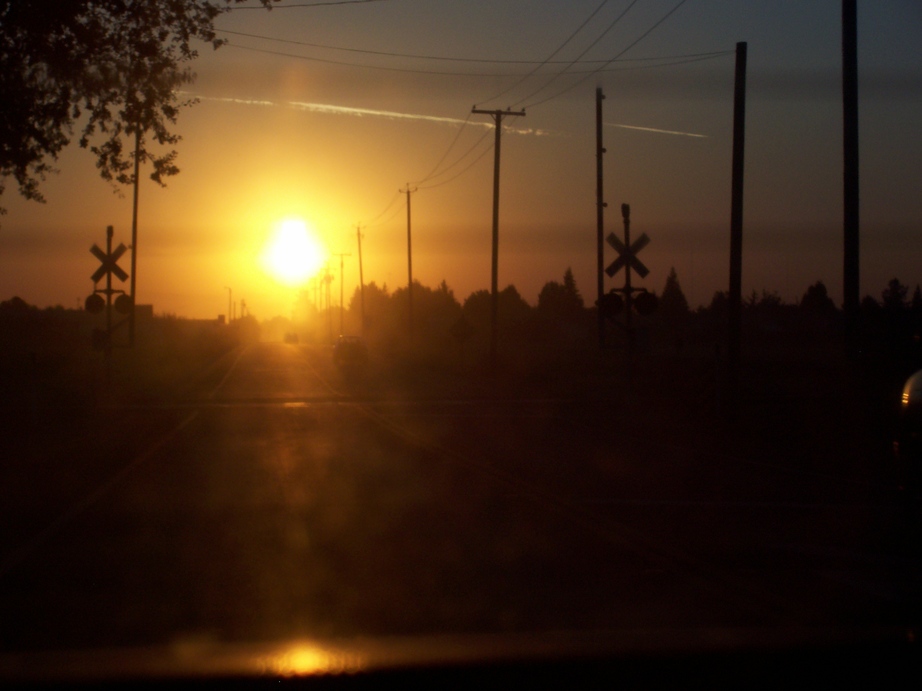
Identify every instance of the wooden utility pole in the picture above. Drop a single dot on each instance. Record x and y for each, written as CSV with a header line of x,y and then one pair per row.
x,y
134,233
409,263
341,255
497,116
358,233
735,298
850,273
600,213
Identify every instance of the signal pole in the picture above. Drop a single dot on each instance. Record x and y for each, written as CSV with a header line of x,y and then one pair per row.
x,y
409,261
497,116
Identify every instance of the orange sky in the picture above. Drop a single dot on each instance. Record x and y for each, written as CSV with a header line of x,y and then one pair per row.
x,y
278,136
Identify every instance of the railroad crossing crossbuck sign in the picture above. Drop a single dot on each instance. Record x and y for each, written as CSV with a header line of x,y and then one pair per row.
x,y
627,256
109,263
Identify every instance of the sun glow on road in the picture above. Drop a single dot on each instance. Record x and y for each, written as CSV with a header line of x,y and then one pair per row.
x,y
293,253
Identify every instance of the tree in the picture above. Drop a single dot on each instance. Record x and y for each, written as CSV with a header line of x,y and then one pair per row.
x,y
112,65
672,302
816,301
894,296
562,301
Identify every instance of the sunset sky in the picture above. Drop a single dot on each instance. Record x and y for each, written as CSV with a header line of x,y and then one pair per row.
x,y
323,113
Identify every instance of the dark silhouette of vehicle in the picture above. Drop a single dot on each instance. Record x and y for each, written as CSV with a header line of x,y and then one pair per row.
x,y
350,352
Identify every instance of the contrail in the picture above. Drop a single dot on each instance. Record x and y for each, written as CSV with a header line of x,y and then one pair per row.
x,y
653,129
329,109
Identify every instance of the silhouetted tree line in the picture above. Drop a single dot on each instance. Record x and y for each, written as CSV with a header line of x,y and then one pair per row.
x,y
891,325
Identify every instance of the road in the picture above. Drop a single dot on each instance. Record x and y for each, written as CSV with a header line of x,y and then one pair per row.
x,y
289,500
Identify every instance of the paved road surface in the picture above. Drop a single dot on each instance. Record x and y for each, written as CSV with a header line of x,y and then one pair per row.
x,y
291,501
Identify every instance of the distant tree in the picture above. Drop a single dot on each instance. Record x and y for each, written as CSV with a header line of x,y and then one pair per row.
x,y
512,312
816,301
869,306
770,301
111,66
672,302
893,298
916,304
561,301
512,306
431,308
720,304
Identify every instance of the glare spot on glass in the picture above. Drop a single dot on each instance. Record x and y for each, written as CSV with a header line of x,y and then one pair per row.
x,y
305,659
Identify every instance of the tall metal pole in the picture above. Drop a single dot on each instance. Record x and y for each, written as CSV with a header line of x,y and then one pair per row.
x,y
850,274
409,263
600,212
229,296
134,233
497,116
735,298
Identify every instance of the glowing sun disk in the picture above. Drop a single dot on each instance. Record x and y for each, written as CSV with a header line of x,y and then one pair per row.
x,y
293,254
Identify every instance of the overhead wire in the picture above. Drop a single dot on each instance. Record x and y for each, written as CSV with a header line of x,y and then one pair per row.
x,y
438,171
553,53
462,171
432,173
616,57
390,218
386,209
604,64
611,26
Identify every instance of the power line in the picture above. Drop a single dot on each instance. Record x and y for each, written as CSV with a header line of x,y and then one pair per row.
x,y
638,40
454,141
459,159
386,209
561,47
380,224
443,58
611,26
460,172
369,67
691,58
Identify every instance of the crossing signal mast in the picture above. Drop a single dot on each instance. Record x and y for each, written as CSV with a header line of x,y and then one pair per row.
x,y
628,298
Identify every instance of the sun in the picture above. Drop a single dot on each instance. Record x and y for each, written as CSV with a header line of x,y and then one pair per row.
x,y
293,253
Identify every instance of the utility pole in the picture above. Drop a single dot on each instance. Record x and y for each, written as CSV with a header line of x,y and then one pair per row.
x,y
497,116
230,294
358,233
325,295
134,232
736,226
850,274
600,212
341,255
409,262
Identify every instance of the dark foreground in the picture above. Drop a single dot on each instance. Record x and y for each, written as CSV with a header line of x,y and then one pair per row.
x,y
279,499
